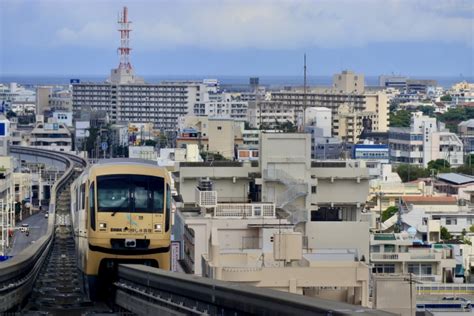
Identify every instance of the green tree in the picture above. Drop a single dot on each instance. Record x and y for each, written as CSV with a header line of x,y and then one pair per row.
x,y
409,173
471,229
90,143
400,118
439,164
393,105
426,109
454,116
389,212
150,142
163,140
10,114
445,234
446,97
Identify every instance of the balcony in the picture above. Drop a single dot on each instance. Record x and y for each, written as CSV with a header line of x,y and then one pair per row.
x,y
406,257
245,210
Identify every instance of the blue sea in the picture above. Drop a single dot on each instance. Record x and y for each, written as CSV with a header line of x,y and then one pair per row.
x,y
269,81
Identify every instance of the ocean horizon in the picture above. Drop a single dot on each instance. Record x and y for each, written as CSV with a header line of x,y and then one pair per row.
x,y
269,81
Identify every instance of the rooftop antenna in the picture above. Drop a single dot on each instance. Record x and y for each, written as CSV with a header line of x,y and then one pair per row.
x,y
124,49
304,95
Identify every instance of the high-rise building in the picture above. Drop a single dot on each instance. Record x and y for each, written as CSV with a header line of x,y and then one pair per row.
x,y
127,98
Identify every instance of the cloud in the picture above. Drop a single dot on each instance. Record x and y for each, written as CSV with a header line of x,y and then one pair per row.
x,y
262,24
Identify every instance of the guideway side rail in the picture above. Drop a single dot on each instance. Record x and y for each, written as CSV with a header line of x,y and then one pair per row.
x,y
149,291
18,274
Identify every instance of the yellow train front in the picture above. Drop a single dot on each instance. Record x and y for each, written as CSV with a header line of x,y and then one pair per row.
x,y
121,214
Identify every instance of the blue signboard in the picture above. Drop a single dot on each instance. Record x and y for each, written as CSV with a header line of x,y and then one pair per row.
x,y
104,146
72,81
3,129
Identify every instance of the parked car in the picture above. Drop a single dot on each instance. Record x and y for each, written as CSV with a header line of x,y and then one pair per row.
x,y
24,228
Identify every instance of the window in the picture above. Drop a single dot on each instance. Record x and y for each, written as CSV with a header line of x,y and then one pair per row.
x,y
83,196
420,268
130,193
168,208
313,189
383,268
219,128
375,248
451,221
389,248
92,205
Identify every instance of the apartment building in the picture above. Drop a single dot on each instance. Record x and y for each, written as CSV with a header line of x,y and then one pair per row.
x,y
425,140
401,253
213,135
232,215
126,98
321,118
326,198
51,136
269,114
348,124
61,100
466,133
348,82
348,92
222,106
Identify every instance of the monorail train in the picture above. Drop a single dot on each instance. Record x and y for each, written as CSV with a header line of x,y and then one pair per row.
x,y
121,213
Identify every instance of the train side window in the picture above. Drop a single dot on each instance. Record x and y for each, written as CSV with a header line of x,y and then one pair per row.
x,y
156,187
83,196
92,205
168,208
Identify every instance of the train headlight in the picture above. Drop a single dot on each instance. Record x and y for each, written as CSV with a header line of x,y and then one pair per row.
x,y
157,227
102,225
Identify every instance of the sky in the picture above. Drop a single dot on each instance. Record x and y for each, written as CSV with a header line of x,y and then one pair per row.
x,y
254,37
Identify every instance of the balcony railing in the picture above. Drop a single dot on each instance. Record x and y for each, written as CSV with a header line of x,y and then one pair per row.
x,y
247,210
206,198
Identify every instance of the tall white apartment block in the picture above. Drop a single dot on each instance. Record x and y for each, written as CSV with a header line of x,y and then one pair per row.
x,y
319,117
222,106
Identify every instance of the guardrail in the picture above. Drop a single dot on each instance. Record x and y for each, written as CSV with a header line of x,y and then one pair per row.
x,y
149,291
18,274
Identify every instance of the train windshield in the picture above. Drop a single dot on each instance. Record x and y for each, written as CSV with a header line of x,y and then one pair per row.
x,y
130,193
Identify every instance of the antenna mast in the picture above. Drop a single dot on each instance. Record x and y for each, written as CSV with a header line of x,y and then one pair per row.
x,y
304,96
124,49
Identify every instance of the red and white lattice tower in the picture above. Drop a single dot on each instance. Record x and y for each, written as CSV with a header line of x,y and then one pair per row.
x,y
124,49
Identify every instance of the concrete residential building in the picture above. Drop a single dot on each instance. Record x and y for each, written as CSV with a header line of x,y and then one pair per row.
x,y
402,254
348,82
269,113
213,135
248,242
43,93
319,117
159,104
323,147
51,136
349,124
466,133
61,100
423,141
224,106
324,198
358,100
